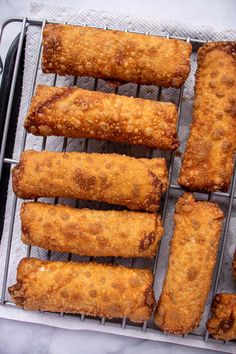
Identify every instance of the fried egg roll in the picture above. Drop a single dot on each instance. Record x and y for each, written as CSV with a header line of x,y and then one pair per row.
x,y
209,156
192,259
111,178
88,232
234,264
222,324
88,288
110,54
78,113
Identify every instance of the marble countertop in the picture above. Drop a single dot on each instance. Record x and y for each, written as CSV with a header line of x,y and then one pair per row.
x,y
23,338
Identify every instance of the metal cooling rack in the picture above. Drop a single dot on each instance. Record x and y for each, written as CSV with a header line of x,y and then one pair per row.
x,y
144,329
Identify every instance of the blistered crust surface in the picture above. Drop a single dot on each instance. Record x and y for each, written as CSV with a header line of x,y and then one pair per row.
x,y
222,324
209,155
90,288
76,113
192,259
234,264
111,178
128,57
90,232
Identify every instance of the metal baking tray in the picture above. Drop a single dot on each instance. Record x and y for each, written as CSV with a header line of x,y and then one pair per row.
x,y
10,94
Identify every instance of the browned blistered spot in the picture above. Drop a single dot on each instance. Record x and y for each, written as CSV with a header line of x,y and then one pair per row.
x,y
226,324
76,297
212,85
95,228
123,235
147,241
219,115
219,94
200,240
119,286
218,133
232,100
102,241
93,293
169,133
214,73
201,150
52,210
65,216
64,293
231,110
104,181
108,165
105,298
84,180
72,230
153,50
195,224
49,163
226,146
186,208
134,281
113,309
228,81
192,273
88,274
82,103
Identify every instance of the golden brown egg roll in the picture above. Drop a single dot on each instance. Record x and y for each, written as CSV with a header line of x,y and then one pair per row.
x,y
110,54
88,232
209,156
222,324
111,178
76,113
192,259
88,288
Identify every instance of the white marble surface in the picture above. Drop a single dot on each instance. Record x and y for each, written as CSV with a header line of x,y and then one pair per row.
x,y
22,338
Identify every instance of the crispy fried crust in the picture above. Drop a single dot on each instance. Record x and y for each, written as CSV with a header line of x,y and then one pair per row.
x,y
192,259
90,288
111,178
78,113
234,264
208,159
116,55
222,324
90,232
158,166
